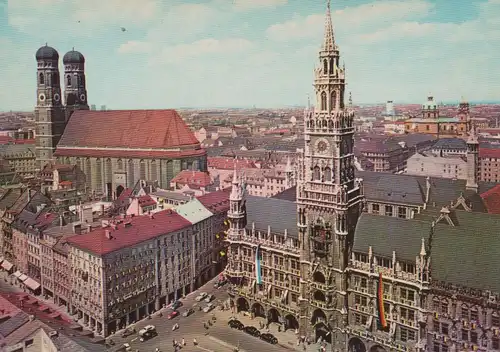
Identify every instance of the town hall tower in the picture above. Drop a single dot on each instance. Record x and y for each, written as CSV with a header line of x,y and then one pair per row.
x,y
329,199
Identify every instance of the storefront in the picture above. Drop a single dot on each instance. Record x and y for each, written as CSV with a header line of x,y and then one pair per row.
x,y
32,285
7,266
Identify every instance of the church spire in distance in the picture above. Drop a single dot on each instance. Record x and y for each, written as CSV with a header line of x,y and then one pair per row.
x,y
329,41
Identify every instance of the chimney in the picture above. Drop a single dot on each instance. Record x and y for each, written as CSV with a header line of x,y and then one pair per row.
x,y
29,195
77,229
61,221
107,233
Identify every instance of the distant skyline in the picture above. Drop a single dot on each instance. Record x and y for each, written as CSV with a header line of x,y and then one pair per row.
x,y
237,53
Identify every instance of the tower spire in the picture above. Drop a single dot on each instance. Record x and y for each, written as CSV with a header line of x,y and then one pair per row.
x,y
329,41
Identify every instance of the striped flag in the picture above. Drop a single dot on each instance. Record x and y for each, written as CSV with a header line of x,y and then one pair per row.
x,y
258,275
381,309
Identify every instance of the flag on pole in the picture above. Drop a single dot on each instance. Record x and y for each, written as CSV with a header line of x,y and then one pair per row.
x,y
258,276
381,309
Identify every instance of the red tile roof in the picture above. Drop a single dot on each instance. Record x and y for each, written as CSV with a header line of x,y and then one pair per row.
x,y
146,201
141,129
491,199
489,153
216,202
230,163
7,308
125,153
142,228
193,178
24,141
6,139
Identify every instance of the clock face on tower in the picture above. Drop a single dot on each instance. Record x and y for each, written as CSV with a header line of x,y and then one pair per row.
x,y
322,146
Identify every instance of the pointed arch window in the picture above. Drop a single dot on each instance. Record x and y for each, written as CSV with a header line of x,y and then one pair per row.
x,y
331,66
55,79
328,174
333,102
316,173
68,80
325,66
323,101
41,78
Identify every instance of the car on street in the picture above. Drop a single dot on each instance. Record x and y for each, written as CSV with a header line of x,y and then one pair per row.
x,y
127,332
209,307
235,324
176,305
148,332
220,283
252,330
209,298
201,297
172,315
270,338
188,312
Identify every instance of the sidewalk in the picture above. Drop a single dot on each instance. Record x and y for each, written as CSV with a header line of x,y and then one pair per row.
x,y
286,339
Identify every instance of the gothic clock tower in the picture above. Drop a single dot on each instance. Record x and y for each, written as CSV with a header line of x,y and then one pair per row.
x,y
329,200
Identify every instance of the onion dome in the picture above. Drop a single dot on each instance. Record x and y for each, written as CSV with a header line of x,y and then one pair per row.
x,y
73,57
46,53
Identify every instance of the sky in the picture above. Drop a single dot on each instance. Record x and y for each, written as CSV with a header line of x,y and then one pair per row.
x,y
244,53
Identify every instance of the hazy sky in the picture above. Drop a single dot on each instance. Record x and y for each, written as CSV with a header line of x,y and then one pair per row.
x,y
180,53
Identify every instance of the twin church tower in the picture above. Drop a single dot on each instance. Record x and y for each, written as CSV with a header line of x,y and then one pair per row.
x,y
51,112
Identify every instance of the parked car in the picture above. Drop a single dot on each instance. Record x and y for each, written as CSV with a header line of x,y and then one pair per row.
x,y
220,283
147,333
176,305
188,312
236,324
172,315
201,297
270,338
252,330
209,298
208,308
127,332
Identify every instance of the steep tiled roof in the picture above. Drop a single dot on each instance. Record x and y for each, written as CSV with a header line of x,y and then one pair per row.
x,y
125,153
194,211
387,234
489,153
140,129
467,254
222,163
140,229
216,202
491,199
450,143
276,213
193,178
146,201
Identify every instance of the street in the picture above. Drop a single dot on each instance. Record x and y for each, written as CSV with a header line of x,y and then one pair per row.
x,y
218,338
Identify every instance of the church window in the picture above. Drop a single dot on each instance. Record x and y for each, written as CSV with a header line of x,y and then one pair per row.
x,y
324,123
41,78
330,124
325,66
316,173
312,123
68,80
331,66
323,101
328,174
333,102
55,79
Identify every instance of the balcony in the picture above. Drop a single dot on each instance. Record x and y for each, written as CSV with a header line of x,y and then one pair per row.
x,y
322,305
322,287
234,272
363,308
361,289
408,302
295,271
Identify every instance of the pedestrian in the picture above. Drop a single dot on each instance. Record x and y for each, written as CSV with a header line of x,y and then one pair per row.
x,y
173,343
183,342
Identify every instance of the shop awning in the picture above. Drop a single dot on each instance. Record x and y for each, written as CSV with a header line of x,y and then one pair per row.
x,y
7,265
31,284
17,274
23,277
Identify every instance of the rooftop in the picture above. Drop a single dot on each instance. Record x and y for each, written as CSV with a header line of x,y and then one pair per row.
x,y
131,232
194,211
216,202
194,178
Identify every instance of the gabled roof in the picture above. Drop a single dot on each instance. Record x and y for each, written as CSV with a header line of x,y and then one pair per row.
x,y
139,229
387,234
491,199
216,202
467,254
279,214
139,129
146,201
193,178
193,211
